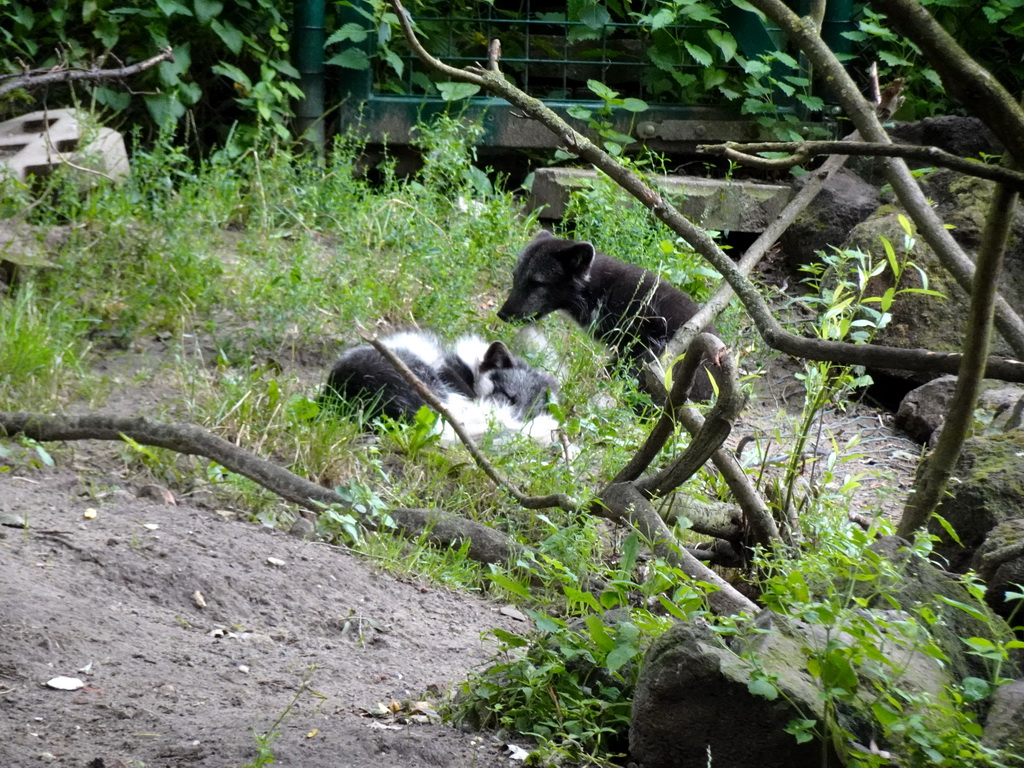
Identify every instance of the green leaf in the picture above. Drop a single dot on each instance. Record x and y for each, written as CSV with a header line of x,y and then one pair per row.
x,y
743,5
724,41
116,100
351,31
232,72
510,585
630,551
971,610
351,58
395,62
661,19
601,90
173,8
634,105
579,596
813,103
456,91
714,77
510,639
764,688
595,16
801,729
207,10
619,656
699,55
230,36
598,633
976,689
164,109
786,59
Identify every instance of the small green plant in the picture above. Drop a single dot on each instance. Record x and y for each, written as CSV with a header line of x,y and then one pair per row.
x,y
599,120
844,292
569,683
859,644
265,740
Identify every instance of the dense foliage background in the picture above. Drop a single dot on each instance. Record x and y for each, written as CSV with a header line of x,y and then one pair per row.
x,y
234,70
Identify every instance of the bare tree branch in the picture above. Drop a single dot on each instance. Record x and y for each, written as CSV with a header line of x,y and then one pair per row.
x,y
486,544
863,114
802,150
624,503
37,78
938,468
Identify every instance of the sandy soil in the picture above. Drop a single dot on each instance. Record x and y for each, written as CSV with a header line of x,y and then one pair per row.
x,y
112,601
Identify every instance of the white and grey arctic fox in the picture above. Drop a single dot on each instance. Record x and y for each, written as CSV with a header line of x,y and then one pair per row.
x,y
629,308
483,385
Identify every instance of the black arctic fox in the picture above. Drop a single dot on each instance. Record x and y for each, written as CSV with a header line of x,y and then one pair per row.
x,y
625,306
482,384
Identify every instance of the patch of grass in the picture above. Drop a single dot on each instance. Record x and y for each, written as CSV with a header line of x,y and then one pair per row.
x,y
40,351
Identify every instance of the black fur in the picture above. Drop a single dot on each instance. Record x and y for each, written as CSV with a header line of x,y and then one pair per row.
x,y
625,306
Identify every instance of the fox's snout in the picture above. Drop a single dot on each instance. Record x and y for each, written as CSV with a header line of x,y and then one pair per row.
x,y
511,312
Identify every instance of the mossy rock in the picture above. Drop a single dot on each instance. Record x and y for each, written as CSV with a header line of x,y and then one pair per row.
x,y
987,488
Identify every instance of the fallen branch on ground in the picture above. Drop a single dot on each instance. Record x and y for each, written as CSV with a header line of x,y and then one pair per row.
x,y
486,544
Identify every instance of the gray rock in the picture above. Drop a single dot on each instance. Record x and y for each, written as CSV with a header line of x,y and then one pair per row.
x,y
692,708
962,136
987,489
1004,728
845,201
1000,562
923,410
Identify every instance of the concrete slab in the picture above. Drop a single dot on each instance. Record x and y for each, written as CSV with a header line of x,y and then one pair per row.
x,y
36,143
736,206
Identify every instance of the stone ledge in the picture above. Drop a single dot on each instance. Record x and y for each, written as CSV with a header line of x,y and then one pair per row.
x,y
737,206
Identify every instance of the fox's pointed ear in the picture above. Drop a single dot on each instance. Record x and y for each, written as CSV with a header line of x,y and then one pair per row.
x,y
496,357
577,257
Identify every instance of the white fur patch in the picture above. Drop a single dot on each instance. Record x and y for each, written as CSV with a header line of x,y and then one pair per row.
x,y
471,350
423,345
480,417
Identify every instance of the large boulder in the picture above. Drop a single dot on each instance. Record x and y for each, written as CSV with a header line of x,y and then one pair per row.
x,y
693,708
844,202
962,136
700,700
1004,728
999,561
987,489
923,410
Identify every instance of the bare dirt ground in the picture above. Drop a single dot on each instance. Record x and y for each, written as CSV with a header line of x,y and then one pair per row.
x,y
102,585
110,600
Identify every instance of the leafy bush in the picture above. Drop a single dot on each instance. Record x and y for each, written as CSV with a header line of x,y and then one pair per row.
x,y
990,31
231,59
